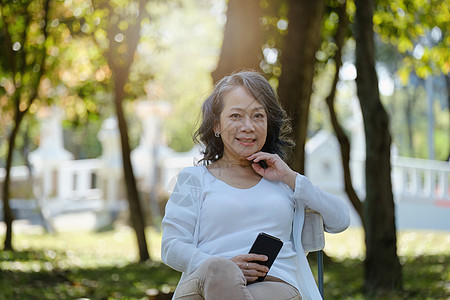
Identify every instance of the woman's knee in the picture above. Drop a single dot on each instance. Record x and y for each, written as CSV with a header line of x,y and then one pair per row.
x,y
221,268
223,280
219,265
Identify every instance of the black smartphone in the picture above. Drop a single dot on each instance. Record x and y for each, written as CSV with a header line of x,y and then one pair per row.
x,y
268,245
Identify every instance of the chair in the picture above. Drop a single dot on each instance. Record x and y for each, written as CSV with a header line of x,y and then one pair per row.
x,y
313,240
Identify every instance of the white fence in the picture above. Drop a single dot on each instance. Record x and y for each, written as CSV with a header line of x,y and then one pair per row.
x,y
77,187
71,185
420,181
81,184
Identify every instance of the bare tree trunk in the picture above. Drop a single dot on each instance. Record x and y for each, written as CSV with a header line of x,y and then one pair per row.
x,y
382,266
136,211
447,81
242,40
298,61
120,64
340,133
410,101
7,212
18,66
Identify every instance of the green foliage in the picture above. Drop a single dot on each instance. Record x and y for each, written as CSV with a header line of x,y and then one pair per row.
x,y
68,78
79,264
23,43
189,39
419,30
45,281
275,24
179,47
392,50
424,277
409,102
424,256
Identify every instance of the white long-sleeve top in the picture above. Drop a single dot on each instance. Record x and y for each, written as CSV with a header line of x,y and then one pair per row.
x,y
206,217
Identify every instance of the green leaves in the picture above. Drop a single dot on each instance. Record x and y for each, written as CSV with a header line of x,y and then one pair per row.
x,y
418,29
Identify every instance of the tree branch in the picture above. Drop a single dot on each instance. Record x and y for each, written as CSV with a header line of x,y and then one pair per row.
x,y
344,142
43,55
8,47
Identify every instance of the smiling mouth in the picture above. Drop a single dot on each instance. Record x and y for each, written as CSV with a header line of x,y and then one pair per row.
x,y
246,141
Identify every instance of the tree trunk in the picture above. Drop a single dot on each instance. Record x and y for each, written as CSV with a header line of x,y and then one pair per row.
x,y
136,211
298,61
382,266
120,64
447,81
7,212
344,142
20,69
410,100
241,48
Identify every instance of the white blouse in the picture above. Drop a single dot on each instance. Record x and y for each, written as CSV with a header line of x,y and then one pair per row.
x,y
206,217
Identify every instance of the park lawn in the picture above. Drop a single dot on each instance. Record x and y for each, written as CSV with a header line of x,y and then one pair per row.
x,y
102,265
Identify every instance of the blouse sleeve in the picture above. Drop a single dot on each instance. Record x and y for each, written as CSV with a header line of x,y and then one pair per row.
x,y
178,247
334,210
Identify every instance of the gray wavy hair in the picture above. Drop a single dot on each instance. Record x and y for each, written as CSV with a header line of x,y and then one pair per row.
x,y
256,85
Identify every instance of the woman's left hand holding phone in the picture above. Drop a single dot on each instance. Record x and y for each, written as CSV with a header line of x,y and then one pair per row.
x,y
250,268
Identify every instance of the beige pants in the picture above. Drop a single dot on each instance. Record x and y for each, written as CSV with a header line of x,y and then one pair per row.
x,y
219,279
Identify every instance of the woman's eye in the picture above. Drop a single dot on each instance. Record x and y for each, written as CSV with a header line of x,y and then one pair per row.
x,y
259,116
235,115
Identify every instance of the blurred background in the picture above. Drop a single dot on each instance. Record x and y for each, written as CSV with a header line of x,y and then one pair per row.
x,y
99,101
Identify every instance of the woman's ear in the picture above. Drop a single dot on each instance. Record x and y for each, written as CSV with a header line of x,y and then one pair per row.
x,y
216,127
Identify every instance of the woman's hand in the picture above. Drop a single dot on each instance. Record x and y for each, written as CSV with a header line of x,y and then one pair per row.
x,y
251,269
276,170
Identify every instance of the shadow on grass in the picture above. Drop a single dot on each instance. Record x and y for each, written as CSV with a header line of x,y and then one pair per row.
x,y
44,280
424,277
38,275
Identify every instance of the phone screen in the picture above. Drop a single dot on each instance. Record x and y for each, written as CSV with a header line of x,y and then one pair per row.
x,y
268,245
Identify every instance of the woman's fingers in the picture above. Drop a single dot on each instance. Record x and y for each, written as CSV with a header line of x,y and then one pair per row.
x,y
244,258
276,169
250,267
254,257
254,270
248,262
258,156
253,274
261,269
272,160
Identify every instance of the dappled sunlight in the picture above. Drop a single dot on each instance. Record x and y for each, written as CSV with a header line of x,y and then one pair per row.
x,y
347,244
410,243
418,243
101,265
96,265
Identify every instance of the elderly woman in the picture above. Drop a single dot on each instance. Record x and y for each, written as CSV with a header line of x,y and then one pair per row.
x,y
240,188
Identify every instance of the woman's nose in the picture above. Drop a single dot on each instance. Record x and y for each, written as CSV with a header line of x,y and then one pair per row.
x,y
247,124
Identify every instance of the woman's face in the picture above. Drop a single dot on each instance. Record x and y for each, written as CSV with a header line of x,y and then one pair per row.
x,y
242,125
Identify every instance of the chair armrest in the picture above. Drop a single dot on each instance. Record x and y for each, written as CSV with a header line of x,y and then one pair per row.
x,y
313,237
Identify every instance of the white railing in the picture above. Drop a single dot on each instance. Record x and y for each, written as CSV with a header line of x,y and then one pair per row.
x,y
75,185
78,180
18,173
419,180
68,186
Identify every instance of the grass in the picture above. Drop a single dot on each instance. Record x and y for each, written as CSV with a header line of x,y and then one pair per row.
x,y
102,265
